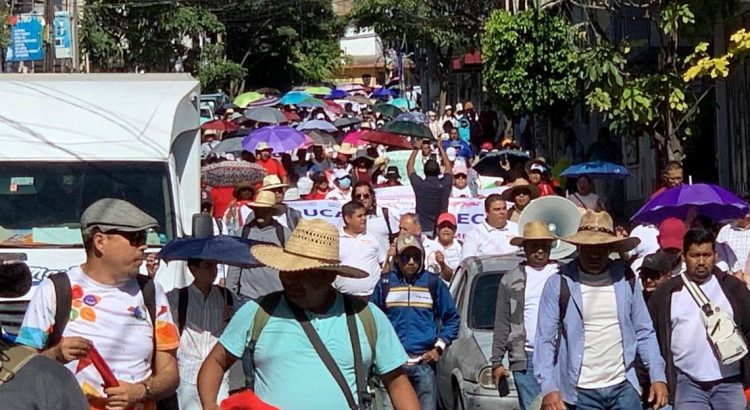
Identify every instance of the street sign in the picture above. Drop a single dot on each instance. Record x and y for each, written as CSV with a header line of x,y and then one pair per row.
x,y
63,35
26,38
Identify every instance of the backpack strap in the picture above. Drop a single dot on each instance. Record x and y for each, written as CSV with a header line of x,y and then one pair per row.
x,y
148,290
228,300
64,298
182,307
267,304
280,234
564,298
12,358
360,372
246,230
362,309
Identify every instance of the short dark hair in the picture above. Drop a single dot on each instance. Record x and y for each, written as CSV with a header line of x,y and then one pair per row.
x,y
491,200
671,165
193,262
431,168
350,208
698,236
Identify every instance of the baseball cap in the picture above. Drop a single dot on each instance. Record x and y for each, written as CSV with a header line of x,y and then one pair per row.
x,y
448,107
447,217
671,233
451,153
340,174
110,214
460,168
404,242
659,261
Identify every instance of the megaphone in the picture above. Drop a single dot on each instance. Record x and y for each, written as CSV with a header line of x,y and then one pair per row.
x,y
561,216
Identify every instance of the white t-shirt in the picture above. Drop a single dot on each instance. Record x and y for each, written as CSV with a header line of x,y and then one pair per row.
x,y
691,350
589,201
461,193
116,321
360,251
535,280
648,234
486,240
338,195
452,254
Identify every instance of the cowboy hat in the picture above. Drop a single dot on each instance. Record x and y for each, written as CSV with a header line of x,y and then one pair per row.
x,y
362,156
520,183
313,245
266,199
262,146
242,185
533,231
345,149
597,228
271,182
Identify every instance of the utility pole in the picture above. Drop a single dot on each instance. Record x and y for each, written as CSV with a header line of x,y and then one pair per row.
x,y
49,49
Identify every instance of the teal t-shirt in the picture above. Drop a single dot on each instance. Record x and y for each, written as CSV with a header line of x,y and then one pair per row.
x,y
288,372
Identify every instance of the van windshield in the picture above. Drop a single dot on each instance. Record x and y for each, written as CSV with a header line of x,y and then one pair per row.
x,y
41,202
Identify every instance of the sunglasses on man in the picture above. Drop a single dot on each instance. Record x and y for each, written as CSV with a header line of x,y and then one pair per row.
x,y
137,238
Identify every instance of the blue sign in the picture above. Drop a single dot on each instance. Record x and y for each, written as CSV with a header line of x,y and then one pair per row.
x,y
26,39
62,35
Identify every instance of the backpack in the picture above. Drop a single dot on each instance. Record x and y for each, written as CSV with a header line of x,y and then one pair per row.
x,y
279,233
182,304
12,358
267,306
61,283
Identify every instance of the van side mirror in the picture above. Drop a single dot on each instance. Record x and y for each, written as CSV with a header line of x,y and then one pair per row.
x,y
203,225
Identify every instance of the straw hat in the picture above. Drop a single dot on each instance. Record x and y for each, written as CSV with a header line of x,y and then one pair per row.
x,y
597,228
272,182
314,244
266,199
242,185
520,183
262,146
534,231
345,149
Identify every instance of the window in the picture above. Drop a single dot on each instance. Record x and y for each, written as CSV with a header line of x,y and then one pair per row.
x,y
46,199
484,300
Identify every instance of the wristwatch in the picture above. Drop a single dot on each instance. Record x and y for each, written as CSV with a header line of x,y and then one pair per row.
x,y
148,390
439,350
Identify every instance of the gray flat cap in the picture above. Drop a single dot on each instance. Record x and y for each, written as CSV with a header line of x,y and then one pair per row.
x,y
109,214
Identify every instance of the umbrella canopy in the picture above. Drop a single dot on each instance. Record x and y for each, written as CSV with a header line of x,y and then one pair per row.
x,y
383,92
336,94
409,128
350,88
292,116
355,138
489,165
388,110
268,91
333,107
417,117
711,200
347,121
224,107
386,138
311,102
321,138
269,101
224,249
266,115
294,97
359,99
220,125
404,104
232,173
227,145
280,138
318,90
597,169
317,125
244,99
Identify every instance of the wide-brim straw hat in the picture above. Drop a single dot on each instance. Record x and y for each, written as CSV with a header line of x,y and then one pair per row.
x,y
266,199
534,231
314,245
345,148
272,182
597,228
520,183
242,185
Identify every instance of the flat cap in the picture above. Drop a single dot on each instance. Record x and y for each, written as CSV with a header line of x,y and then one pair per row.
x,y
109,214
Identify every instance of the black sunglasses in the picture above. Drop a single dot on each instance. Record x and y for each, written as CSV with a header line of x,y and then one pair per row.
x,y
362,196
460,176
137,238
407,256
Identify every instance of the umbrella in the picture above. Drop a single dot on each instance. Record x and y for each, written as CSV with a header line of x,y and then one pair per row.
x,y
280,138
224,249
232,173
359,99
292,116
382,92
336,94
266,115
404,104
224,107
597,169
355,138
417,117
347,121
244,99
321,138
245,400
386,138
317,125
318,90
227,145
333,107
268,91
264,102
294,97
220,125
311,102
409,128
350,88
388,110
711,200
489,165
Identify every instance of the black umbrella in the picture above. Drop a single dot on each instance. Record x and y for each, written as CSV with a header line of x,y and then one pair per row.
x,y
409,128
347,122
490,165
224,249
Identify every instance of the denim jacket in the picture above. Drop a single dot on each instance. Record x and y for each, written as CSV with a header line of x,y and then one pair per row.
x,y
559,371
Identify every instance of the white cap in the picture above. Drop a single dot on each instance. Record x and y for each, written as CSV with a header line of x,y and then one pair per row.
x,y
304,186
459,107
451,153
460,168
320,116
340,173
448,107
292,194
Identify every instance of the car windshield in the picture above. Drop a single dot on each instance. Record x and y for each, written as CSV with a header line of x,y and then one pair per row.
x,y
42,202
483,301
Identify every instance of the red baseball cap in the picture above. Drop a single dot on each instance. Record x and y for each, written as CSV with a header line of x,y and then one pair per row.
x,y
671,233
447,217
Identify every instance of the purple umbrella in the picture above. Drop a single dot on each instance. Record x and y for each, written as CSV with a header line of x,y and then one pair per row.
x,y
281,138
711,200
268,101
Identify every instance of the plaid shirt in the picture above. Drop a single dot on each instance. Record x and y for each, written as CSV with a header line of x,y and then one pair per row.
x,y
738,240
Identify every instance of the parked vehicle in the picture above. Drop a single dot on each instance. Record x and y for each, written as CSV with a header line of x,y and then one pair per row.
x,y
464,373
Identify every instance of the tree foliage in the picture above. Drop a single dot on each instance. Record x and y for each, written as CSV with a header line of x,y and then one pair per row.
x,y
528,59
700,64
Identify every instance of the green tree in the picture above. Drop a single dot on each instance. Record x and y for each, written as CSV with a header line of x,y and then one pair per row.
x,y
528,59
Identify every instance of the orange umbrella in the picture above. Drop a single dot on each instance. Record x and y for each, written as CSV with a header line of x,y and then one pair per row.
x,y
220,125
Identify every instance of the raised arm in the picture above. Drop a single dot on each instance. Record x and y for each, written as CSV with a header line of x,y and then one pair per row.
x,y
448,167
410,162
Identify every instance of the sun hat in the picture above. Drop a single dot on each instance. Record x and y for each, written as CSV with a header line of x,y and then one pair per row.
x,y
671,233
533,231
292,194
361,155
266,199
459,107
597,228
341,174
242,185
262,146
460,168
304,185
520,183
345,149
447,217
272,182
313,245
111,214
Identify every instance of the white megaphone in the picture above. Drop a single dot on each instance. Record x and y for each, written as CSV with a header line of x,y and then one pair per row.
x,y
561,216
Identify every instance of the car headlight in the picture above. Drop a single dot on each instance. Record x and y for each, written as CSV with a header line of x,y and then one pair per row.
x,y
484,378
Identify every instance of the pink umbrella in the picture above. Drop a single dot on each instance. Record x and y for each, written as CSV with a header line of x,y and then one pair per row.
x,y
351,87
308,142
354,138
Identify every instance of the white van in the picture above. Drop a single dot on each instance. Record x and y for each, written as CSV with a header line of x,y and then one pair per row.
x,y
67,140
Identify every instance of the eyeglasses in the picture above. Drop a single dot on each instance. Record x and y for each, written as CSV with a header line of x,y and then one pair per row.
x,y
460,176
408,256
362,196
137,238
523,192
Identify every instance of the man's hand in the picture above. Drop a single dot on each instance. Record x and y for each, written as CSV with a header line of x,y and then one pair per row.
x,y
440,258
658,395
392,252
152,264
71,348
431,356
553,401
498,373
125,396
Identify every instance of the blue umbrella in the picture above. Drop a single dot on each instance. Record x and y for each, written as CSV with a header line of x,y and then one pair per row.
x,y
294,97
228,250
404,104
280,138
597,169
382,92
417,117
336,94
319,125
